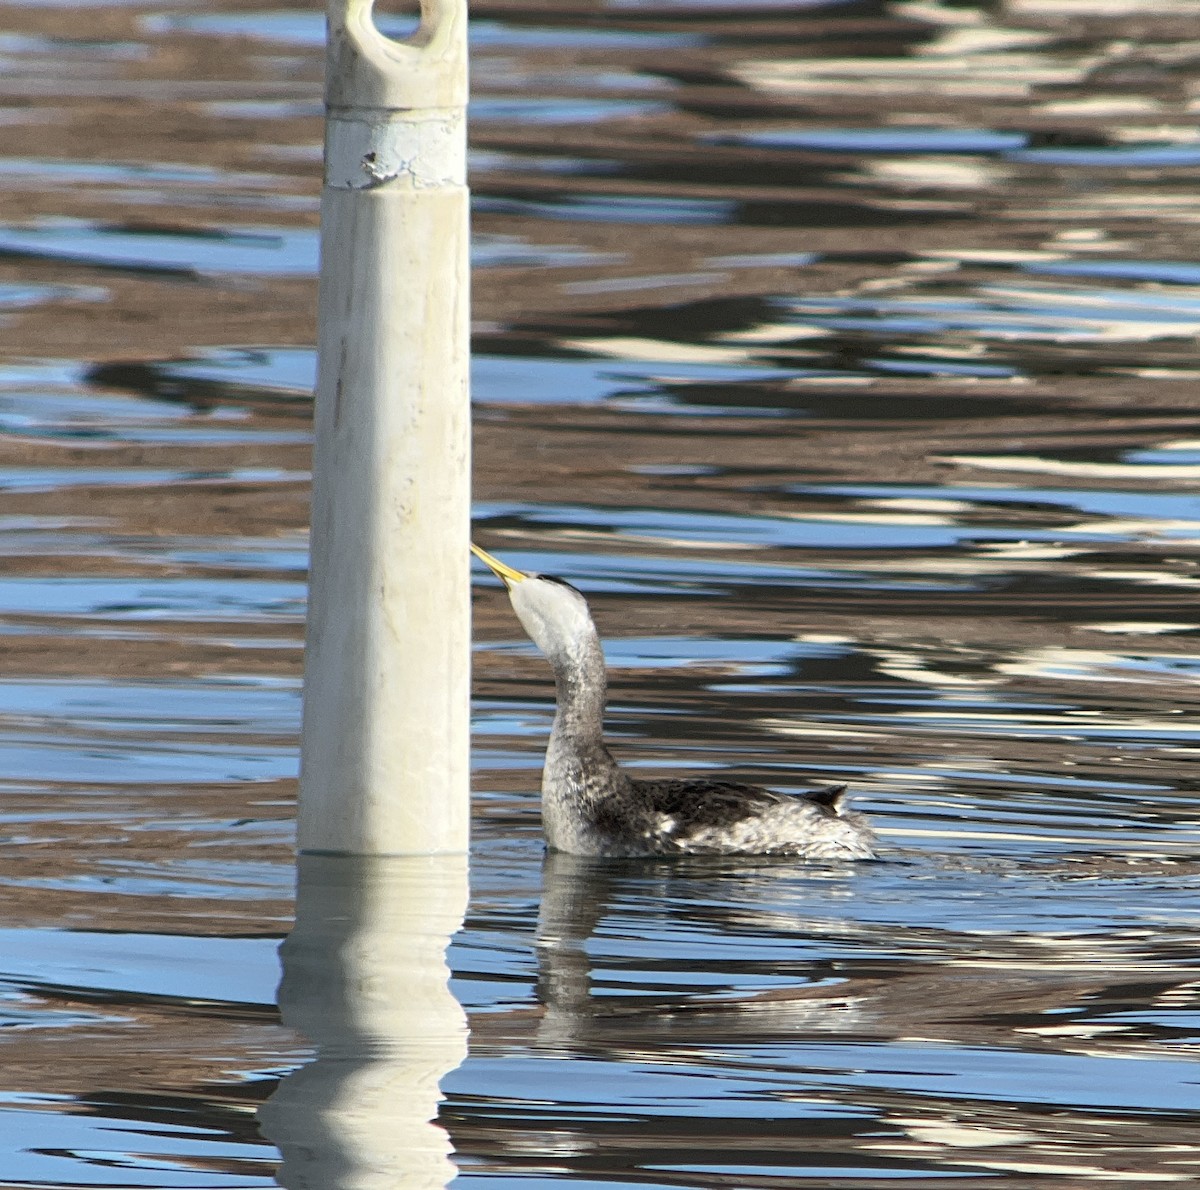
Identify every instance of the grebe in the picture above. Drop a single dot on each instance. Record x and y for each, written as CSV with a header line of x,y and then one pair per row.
x,y
590,806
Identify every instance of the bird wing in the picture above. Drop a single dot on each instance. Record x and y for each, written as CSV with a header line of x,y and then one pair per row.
x,y
686,807
674,810
699,803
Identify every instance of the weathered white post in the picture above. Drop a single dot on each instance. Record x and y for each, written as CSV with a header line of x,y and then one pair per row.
x,y
384,757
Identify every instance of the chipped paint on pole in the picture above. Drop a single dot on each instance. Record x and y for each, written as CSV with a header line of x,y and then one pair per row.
x,y
385,748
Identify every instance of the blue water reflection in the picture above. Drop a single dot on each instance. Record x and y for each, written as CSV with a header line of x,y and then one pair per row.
x,y
844,356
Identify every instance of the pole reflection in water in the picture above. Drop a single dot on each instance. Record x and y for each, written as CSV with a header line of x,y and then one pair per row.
x,y
365,979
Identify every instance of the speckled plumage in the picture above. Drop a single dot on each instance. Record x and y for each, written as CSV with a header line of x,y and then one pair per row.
x,y
590,806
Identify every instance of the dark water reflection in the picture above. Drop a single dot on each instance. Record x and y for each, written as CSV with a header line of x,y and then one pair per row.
x,y
844,354
918,1017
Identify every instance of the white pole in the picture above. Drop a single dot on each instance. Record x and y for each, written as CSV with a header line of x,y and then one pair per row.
x,y
384,756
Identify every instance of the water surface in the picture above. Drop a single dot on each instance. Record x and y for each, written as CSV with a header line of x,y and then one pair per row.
x,y
844,355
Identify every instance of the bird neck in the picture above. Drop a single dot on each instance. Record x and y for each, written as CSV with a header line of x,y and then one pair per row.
x,y
580,772
581,682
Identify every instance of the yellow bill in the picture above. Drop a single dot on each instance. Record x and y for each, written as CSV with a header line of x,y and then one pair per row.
x,y
506,574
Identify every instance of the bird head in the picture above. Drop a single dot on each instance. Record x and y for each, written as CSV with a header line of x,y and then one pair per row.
x,y
554,614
